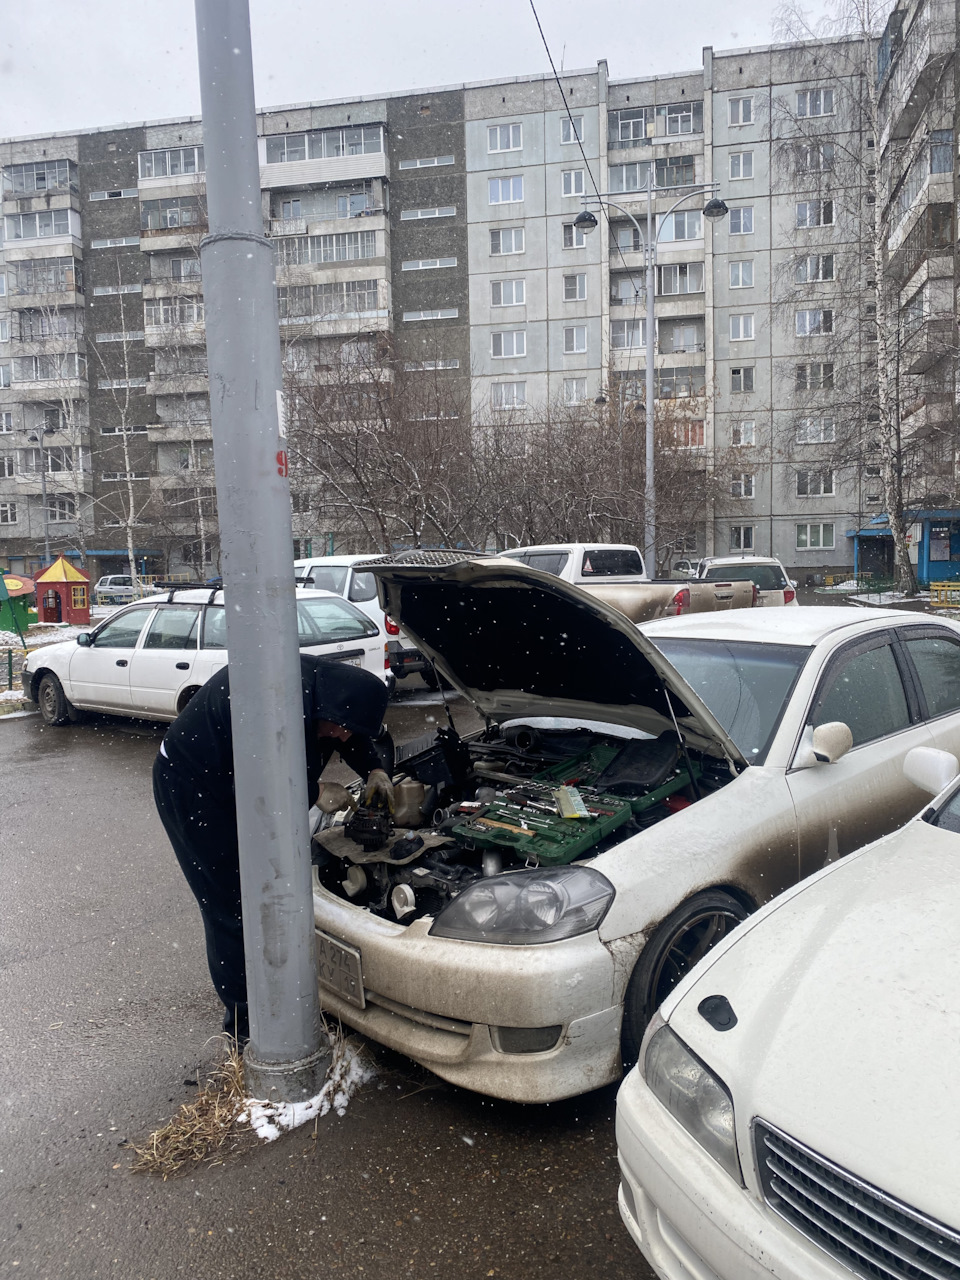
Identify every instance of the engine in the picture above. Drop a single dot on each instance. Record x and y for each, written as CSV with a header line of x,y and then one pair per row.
x,y
511,797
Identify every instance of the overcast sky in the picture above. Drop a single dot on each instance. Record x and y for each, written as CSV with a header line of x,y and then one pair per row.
x,y
73,64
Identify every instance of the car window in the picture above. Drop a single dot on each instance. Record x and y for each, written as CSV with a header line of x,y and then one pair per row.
x,y
326,620
767,576
949,815
937,663
122,631
326,578
174,628
215,628
865,692
546,561
612,564
745,685
363,587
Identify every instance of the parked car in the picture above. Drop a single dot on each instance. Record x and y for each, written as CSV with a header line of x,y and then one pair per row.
x,y
118,588
341,575
615,573
793,1114
150,658
520,952
773,585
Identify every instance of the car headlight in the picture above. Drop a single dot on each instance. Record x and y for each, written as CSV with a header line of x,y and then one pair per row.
x,y
693,1096
523,907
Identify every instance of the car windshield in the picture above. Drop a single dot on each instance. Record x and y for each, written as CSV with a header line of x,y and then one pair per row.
x,y
948,816
767,576
745,685
326,577
326,620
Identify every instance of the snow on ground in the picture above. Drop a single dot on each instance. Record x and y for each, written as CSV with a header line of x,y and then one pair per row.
x,y
348,1071
889,597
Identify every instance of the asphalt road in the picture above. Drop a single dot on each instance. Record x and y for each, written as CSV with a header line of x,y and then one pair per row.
x,y
106,1016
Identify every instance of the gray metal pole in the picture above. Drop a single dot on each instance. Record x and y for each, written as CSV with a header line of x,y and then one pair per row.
x,y
649,480
283,1059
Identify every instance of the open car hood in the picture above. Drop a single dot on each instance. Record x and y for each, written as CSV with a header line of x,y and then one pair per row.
x,y
519,642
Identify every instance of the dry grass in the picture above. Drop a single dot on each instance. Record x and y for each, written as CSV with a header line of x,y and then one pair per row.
x,y
203,1131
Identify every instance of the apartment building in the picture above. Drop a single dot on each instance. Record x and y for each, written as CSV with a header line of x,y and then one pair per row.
x,y
445,219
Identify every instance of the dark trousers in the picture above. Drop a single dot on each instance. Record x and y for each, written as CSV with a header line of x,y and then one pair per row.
x,y
203,832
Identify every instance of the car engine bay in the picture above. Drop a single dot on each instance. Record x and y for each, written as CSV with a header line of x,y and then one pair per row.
x,y
512,797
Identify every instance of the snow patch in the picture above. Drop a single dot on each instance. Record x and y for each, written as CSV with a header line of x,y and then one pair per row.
x,y
348,1071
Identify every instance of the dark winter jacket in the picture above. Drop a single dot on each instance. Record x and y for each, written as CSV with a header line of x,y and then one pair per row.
x,y
199,743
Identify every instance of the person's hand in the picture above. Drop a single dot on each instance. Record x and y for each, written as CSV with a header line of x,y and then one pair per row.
x,y
333,798
379,788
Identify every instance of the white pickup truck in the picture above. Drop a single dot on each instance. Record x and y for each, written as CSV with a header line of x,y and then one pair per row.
x,y
774,587
615,573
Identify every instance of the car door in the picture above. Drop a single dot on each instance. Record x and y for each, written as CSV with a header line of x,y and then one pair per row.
x,y
163,662
100,672
863,795
933,657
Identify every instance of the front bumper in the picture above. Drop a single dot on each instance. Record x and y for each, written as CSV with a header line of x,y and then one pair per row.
x,y
26,679
436,999
688,1216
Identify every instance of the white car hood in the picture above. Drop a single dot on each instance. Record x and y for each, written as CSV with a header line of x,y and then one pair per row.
x,y
847,996
520,642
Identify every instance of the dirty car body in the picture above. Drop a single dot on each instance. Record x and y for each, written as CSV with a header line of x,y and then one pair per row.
x,y
519,952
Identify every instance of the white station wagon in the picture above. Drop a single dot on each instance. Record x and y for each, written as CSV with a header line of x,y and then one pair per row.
x,y
150,658
635,795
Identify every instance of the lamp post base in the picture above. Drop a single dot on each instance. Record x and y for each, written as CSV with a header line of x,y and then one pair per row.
x,y
286,1081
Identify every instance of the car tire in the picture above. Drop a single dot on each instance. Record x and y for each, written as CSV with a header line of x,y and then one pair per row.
x,y
186,696
674,948
52,701
433,680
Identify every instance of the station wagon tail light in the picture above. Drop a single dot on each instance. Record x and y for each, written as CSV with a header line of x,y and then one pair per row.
x,y
392,628
789,595
386,658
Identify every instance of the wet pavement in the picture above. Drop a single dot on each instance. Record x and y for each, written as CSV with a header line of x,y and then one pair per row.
x,y
107,1014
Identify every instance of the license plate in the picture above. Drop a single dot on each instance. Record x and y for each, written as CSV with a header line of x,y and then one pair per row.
x,y
338,969
353,662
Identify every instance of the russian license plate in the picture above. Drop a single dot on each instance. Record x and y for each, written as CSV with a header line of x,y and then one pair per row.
x,y
338,969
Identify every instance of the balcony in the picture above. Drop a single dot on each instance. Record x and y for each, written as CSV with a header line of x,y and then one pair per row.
x,y
175,335
48,390
171,239
160,286
178,384
313,173
934,339
913,76
179,432
54,300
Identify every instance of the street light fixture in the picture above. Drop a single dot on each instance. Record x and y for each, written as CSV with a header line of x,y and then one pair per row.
x,y
714,209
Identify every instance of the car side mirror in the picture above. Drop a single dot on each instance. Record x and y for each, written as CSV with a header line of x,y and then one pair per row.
x,y
824,744
930,769
84,640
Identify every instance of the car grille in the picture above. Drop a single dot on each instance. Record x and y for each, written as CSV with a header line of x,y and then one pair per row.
x,y
867,1230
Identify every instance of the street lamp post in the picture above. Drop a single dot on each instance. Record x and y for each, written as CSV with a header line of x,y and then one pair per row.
x,y
38,439
587,222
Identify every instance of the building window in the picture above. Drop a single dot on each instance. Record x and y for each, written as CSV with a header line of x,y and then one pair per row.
x,y
36,226
60,510
573,182
8,513
814,322
47,275
169,215
505,190
815,158
688,435
741,220
436,211
325,144
115,242
815,213
123,193
426,162
571,129
816,431
817,376
677,336
741,484
508,344
434,313
628,333
3,284
741,537
53,459
815,537
43,175
680,277
741,274
633,125
575,287
505,137
744,433
574,390
741,164
5,373
741,110
814,484
6,422
325,301
814,267
680,383
7,465
941,151
741,379
685,224
508,395
171,312
625,291
428,366
507,293
815,102
428,264
4,330
169,163
573,237
669,171
127,335
506,240
105,290
121,384
741,328
574,339
346,247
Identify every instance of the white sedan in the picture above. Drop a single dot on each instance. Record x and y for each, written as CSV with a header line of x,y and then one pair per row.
x,y
706,764
794,1114
150,658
